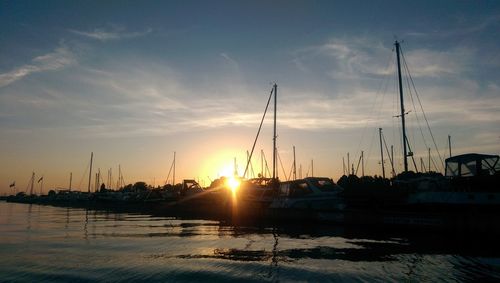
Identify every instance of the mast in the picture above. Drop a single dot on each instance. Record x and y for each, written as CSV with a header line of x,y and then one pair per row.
x,y
90,172
294,165
119,176
449,144
405,154
173,177
312,167
348,165
262,171
274,132
70,179
381,153
392,161
362,164
429,167
41,187
32,182
235,168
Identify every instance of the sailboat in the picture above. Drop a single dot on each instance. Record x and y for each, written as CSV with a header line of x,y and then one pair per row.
x,y
466,197
312,198
470,179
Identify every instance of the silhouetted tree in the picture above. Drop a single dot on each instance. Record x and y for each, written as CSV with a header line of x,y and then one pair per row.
x,y
140,186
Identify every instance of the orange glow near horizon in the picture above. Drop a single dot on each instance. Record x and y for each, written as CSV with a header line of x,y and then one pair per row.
x,y
233,184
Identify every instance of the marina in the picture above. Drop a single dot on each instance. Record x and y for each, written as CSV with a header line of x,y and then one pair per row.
x,y
466,198
249,141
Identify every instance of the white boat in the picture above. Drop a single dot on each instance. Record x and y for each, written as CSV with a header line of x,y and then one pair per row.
x,y
315,198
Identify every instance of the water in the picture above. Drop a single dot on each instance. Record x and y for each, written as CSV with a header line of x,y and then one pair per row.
x,y
44,243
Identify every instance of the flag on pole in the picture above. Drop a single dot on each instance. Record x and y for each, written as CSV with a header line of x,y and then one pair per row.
x,y
13,184
41,178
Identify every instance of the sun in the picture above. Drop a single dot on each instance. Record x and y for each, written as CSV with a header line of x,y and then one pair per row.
x,y
233,184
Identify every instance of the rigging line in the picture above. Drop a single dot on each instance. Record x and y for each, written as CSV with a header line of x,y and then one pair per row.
x,y
168,176
258,132
29,183
377,118
389,64
282,168
388,154
412,156
267,167
252,172
372,143
425,117
357,167
83,176
413,104
433,163
290,173
122,180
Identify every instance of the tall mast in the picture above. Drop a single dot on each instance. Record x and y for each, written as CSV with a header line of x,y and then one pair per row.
x,y
381,153
32,182
405,154
348,165
294,165
90,172
262,171
392,161
343,166
429,167
274,134
449,144
41,187
362,164
312,167
70,179
173,177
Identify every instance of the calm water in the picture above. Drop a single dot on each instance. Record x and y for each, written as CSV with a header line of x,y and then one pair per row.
x,y
44,243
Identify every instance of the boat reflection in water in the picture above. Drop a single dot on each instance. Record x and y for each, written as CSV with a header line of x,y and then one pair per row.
x,y
47,243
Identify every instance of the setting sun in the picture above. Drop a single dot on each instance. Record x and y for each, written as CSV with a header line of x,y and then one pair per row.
x,y
233,184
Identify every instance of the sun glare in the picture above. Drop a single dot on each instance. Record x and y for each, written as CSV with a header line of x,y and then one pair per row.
x,y
233,184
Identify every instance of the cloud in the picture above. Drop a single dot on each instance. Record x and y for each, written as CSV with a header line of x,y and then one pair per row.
x,y
429,63
344,58
58,59
230,61
359,58
115,33
462,29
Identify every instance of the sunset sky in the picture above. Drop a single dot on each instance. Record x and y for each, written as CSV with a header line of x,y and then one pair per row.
x,y
135,81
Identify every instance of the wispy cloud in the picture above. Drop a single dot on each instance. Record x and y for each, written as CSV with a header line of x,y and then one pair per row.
x,y
463,28
115,33
230,60
344,58
429,63
60,58
359,58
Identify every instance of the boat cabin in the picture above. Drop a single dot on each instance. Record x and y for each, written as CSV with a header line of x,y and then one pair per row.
x,y
472,164
308,187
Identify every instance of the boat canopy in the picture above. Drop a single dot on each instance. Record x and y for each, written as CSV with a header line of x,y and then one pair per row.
x,y
472,164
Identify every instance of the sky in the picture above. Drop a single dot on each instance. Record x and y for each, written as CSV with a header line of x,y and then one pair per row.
x,y
135,81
